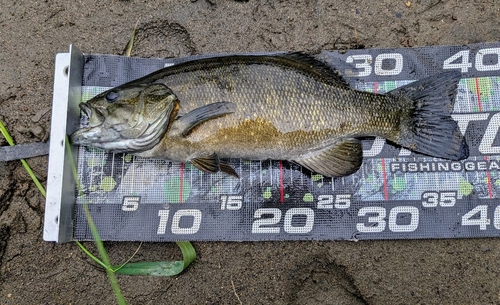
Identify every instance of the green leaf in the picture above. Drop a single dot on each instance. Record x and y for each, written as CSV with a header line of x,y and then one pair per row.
x,y
168,268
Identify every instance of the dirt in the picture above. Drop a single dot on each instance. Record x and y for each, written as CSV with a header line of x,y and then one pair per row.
x,y
378,272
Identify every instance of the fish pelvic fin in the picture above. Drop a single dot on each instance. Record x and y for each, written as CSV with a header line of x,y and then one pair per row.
x,y
340,159
226,168
431,130
212,164
209,164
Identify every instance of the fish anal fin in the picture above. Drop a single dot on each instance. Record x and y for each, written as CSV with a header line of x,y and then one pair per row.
x,y
340,159
184,124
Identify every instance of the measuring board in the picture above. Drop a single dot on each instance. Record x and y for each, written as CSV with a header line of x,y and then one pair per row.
x,y
396,194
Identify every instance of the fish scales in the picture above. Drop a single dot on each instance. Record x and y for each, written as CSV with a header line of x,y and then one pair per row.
x,y
288,107
276,108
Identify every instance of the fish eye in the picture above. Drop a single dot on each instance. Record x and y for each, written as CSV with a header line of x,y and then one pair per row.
x,y
112,96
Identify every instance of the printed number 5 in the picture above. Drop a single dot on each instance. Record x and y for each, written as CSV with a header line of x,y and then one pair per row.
x,y
130,203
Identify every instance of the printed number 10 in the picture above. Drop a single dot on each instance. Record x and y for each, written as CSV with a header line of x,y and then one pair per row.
x,y
176,220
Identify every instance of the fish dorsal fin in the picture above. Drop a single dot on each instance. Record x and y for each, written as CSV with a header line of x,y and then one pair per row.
x,y
341,159
209,164
190,120
318,67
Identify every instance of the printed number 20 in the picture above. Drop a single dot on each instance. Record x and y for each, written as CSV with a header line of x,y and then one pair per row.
x,y
263,224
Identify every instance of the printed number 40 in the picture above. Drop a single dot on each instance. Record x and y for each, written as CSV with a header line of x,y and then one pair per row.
x,y
461,60
478,216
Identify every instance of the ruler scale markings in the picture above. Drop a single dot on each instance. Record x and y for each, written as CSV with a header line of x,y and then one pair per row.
x,y
92,174
478,93
112,164
488,175
301,176
191,177
477,174
200,174
142,175
181,180
271,173
260,172
436,179
133,165
468,95
282,188
384,177
400,190
120,187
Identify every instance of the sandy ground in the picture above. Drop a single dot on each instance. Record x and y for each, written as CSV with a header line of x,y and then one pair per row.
x,y
381,272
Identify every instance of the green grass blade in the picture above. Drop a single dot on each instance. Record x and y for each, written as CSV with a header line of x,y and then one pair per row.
x,y
97,239
188,252
130,44
106,264
89,254
6,134
168,268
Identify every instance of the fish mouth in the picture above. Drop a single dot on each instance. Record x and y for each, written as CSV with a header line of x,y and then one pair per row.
x,y
87,112
93,115
92,132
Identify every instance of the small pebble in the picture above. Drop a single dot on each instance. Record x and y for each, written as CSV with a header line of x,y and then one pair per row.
x,y
36,130
22,129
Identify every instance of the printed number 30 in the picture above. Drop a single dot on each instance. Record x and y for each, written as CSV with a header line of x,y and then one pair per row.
x,y
377,223
363,64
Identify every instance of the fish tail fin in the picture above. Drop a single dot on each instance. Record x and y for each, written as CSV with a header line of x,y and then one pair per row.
x,y
431,130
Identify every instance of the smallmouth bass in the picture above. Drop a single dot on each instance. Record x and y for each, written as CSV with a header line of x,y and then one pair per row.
x,y
284,107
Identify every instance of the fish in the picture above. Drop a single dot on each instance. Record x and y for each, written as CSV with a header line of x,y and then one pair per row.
x,y
258,107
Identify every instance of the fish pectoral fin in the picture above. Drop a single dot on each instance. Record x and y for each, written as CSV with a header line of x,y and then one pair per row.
x,y
341,159
209,164
190,120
